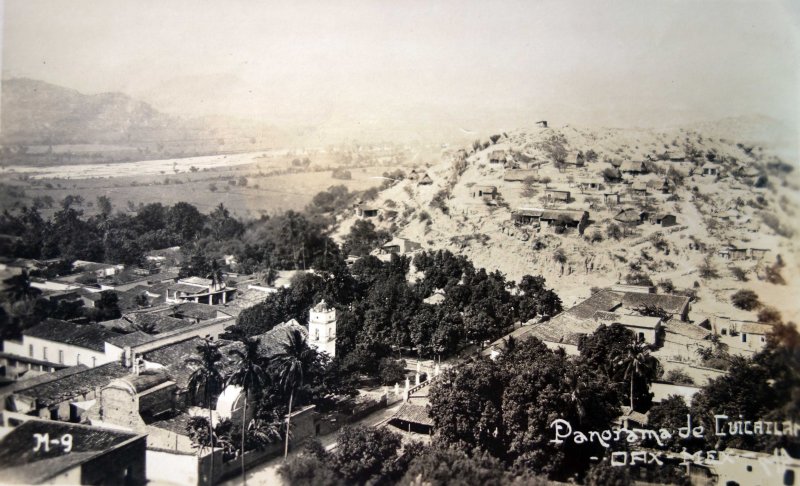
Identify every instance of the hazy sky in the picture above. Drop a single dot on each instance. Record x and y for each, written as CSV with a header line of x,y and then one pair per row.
x,y
470,63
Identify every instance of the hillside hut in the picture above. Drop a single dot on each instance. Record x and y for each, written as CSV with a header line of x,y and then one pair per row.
x,y
364,210
665,220
497,157
590,185
557,195
611,198
709,169
660,185
485,192
631,216
425,181
674,156
633,167
576,160
637,190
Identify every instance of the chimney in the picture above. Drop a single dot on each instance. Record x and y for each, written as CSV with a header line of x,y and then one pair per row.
x,y
127,356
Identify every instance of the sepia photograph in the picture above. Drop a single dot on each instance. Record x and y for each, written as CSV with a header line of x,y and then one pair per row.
x,y
400,243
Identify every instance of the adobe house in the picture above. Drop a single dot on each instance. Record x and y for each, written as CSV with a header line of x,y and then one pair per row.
x,y
578,160
557,195
637,190
709,169
631,216
611,198
400,246
522,217
660,185
675,156
665,220
590,185
758,253
731,252
363,210
497,157
486,192
542,123
633,168
425,181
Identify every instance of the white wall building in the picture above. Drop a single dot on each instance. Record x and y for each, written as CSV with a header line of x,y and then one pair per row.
x,y
322,328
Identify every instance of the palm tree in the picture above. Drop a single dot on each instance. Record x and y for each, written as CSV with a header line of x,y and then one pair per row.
x,y
207,376
638,362
250,375
215,274
19,288
575,381
292,362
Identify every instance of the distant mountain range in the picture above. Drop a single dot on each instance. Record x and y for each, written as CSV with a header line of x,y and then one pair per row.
x,y
38,113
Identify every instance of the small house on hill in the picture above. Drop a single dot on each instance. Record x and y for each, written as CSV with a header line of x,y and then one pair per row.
x,y
577,160
364,210
425,181
660,185
732,252
497,157
709,169
631,216
637,189
557,195
400,246
633,168
675,156
611,198
664,219
484,191
551,217
590,185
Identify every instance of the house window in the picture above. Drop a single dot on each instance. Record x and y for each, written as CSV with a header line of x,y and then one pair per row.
x,y
60,356
641,336
30,350
749,468
724,332
744,337
788,477
44,353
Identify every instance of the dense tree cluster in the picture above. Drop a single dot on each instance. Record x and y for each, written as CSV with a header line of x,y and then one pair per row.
x,y
380,310
505,407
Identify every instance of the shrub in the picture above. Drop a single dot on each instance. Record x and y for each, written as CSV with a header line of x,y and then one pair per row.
x,y
638,279
769,315
739,274
678,377
745,299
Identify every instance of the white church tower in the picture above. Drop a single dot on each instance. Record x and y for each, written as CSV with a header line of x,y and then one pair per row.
x,y
322,328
